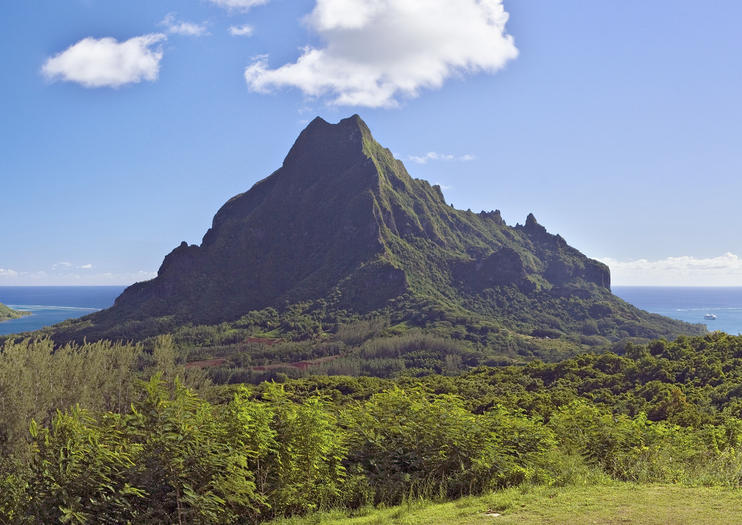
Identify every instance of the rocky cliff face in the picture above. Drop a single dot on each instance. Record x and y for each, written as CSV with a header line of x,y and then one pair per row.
x,y
342,221
343,217
309,228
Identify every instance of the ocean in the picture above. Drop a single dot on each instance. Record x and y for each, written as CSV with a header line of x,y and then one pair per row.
x,y
53,304
689,304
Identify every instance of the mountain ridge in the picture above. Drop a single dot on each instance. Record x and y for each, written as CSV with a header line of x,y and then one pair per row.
x,y
343,222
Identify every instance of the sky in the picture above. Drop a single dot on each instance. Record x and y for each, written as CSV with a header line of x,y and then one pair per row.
x,y
126,125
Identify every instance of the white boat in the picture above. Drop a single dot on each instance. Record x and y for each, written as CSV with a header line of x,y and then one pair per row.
x,y
710,317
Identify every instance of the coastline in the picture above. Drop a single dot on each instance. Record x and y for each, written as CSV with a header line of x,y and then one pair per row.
x,y
11,314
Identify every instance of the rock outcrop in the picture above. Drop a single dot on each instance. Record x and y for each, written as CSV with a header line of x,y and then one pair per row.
x,y
342,221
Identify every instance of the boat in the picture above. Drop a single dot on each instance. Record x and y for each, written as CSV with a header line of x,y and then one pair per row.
x,y
710,317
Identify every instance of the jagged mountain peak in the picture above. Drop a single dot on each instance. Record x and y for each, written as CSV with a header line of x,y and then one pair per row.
x,y
343,222
332,146
342,216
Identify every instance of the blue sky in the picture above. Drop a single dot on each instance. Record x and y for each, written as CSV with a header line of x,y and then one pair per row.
x,y
126,125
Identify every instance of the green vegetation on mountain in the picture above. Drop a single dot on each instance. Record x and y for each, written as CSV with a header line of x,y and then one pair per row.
x,y
336,267
6,314
118,437
342,234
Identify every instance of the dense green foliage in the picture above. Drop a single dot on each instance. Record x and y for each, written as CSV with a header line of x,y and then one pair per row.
x,y
7,314
137,445
362,297
341,233
406,338
36,381
691,381
175,458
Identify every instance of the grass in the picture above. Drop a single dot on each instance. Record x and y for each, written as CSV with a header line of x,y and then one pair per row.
x,y
607,504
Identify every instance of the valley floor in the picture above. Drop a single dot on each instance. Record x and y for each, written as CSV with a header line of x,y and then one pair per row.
x,y
607,504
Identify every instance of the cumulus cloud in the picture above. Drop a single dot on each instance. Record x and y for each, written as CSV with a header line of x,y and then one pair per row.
x,y
240,5
376,51
178,27
86,267
432,155
106,62
243,30
724,270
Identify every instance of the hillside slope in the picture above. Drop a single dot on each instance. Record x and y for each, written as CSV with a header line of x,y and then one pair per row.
x,y
6,314
342,231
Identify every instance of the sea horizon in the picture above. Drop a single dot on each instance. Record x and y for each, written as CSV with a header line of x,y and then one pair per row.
x,y
51,304
690,304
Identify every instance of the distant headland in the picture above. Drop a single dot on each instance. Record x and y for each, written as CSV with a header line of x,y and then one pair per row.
x,y
6,314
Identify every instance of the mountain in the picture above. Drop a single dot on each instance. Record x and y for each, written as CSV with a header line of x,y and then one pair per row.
x,y
342,232
7,314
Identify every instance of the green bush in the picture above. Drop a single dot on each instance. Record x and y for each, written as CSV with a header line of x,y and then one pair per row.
x,y
412,446
295,450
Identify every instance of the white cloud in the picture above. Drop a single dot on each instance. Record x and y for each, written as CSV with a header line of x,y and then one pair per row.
x,y
243,30
240,5
7,273
377,51
69,276
179,27
432,155
66,265
725,270
106,62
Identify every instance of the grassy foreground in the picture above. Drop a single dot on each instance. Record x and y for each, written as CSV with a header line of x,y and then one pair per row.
x,y
609,504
